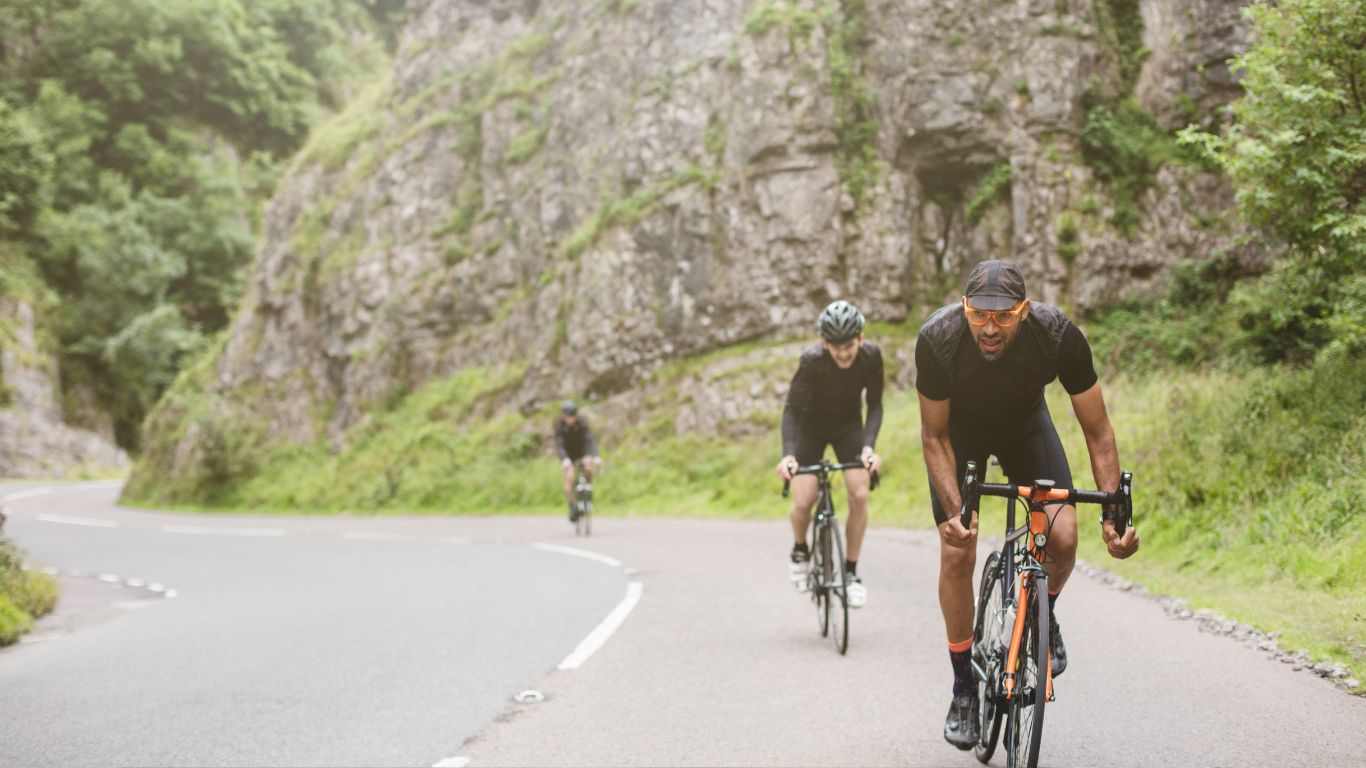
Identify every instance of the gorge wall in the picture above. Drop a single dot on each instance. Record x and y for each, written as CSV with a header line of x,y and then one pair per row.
x,y
591,189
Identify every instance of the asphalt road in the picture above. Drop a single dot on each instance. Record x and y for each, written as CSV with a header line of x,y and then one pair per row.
x,y
385,641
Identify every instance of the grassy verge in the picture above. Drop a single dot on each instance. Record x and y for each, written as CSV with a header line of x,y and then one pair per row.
x,y
24,595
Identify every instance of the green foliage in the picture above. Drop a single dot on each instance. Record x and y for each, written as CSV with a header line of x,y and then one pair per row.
x,y
1249,488
25,168
1120,24
855,103
1296,155
1067,231
138,140
1125,147
527,144
24,595
769,14
994,187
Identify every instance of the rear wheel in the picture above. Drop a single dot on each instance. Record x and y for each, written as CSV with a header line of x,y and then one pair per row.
x,y
989,637
838,595
1024,726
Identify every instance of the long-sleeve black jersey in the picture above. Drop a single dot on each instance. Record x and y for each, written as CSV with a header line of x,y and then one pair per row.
x,y
574,441
828,400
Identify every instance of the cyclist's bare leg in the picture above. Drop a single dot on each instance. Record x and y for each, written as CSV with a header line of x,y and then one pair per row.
x,y
569,483
956,564
804,490
856,485
1062,545
587,465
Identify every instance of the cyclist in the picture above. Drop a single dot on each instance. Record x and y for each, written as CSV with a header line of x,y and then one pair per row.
x,y
824,408
575,444
981,367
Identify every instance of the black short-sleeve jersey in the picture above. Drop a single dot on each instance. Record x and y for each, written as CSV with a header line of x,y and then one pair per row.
x,y
998,394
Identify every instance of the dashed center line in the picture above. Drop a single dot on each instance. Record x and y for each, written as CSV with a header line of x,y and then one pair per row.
x,y
200,530
66,520
459,761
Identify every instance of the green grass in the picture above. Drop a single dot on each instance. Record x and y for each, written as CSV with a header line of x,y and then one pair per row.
x,y
24,595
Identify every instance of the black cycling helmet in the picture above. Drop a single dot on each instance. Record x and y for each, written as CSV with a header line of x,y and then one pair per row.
x,y
570,408
840,322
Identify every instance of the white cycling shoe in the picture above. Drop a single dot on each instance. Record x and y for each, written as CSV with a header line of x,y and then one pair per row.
x,y
858,594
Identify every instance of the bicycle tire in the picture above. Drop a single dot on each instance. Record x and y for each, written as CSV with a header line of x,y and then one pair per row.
x,y
819,565
1024,728
987,644
838,597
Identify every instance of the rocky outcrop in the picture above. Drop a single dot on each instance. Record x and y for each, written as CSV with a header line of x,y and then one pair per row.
x,y
1186,76
35,440
601,187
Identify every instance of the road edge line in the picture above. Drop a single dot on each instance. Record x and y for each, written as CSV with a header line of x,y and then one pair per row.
x,y
600,634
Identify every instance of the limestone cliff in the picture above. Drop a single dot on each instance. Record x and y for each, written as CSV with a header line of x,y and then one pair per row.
x,y
595,187
35,439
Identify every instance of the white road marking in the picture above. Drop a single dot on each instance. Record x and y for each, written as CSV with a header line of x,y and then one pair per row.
x,y
93,484
25,494
452,540
109,578
459,761
599,636
170,593
64,519
134,582
612,561
201,530
155,587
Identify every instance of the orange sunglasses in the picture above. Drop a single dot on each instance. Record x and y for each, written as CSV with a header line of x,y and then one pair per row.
x,y
1002,317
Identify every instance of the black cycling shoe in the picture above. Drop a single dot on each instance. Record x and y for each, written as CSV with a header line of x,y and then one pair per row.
x,y
573,512
1059,650
960,727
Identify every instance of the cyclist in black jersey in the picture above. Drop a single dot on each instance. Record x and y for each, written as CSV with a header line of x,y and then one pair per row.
x,y
981,368
575,444
825,407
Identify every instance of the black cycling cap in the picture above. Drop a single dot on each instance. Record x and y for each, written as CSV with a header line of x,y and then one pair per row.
x,y
995,285
570,408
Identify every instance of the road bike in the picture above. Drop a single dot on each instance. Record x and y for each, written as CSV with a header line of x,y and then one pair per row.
x,y
1010,654
826,580
583,502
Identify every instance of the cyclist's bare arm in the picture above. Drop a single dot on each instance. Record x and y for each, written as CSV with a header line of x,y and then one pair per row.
x,y
939,459
1100,443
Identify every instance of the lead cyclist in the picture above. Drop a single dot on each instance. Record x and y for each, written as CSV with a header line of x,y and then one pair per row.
x,y
981,367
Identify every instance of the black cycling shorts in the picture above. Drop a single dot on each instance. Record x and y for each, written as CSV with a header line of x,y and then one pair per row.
x,y
1032,452
848,444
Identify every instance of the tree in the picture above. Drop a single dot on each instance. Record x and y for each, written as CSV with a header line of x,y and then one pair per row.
x,y
1296,155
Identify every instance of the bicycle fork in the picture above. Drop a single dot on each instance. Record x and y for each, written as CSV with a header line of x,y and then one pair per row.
x,y
1017,637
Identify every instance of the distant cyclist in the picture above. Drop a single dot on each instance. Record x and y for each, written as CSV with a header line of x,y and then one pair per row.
x,y
825,407
575,444
981,367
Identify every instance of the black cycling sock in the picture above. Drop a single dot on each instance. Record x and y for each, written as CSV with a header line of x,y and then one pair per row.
x,y
963,681
851,568
800,547
1053,602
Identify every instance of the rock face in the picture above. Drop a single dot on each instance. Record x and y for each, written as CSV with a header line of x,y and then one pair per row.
x,y
598,187
35,440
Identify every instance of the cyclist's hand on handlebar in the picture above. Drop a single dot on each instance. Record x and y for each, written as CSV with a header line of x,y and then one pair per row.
x,y
1120,547
871,460
954,534
786,466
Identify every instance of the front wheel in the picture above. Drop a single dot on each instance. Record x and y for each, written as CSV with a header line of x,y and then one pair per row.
x,y
1024,727
838,592
989,638
820,592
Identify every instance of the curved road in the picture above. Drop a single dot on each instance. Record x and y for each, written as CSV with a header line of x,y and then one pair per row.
x,y
400,641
